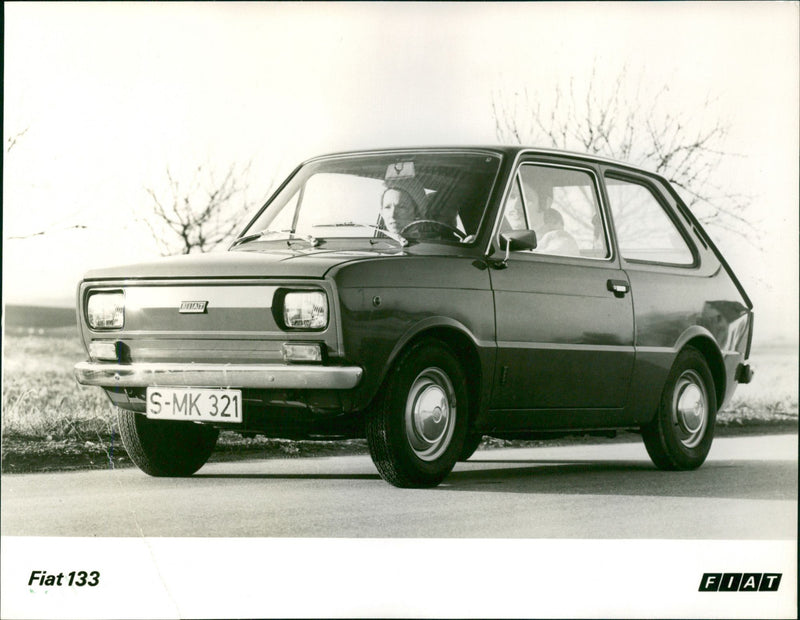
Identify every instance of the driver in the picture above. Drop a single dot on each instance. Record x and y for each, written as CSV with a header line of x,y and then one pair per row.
x,y
407,203
399,209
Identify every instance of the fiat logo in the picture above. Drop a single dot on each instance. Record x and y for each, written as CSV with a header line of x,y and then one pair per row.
x,y
193,307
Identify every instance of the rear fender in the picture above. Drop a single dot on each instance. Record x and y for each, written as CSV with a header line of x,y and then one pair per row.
x,y
654,363
701,339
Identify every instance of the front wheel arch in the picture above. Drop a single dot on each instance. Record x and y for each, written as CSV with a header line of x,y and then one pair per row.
x,y
456,336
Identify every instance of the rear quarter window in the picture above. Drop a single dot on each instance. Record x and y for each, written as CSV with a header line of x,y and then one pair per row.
x,y
645,232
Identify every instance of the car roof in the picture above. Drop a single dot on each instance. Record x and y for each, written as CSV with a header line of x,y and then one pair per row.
x,y
510,150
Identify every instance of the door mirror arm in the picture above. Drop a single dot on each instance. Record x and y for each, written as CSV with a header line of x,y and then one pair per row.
x,y
515,240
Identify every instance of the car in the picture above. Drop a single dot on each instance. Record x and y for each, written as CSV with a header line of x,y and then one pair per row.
x,y
423,298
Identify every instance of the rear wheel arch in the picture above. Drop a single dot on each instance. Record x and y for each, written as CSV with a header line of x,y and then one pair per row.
x,y
679,437
710,351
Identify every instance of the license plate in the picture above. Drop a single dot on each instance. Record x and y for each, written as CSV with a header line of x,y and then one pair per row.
x,y
205,405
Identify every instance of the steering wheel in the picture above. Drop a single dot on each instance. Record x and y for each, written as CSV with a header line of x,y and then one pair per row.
x,y
461,236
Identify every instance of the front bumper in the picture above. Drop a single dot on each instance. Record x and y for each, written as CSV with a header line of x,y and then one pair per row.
x,y
268,376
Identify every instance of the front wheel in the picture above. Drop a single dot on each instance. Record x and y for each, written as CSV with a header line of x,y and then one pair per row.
x,y
471,444
680,435
163,447
417,433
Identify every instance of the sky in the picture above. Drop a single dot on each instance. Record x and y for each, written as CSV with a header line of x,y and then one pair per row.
x,y
99,99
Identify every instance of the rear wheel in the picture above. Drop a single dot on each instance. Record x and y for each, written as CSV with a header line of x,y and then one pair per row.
x,y
417,432
165,448
680,435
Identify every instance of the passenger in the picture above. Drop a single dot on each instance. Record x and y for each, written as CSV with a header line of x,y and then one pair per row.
x,y
553,239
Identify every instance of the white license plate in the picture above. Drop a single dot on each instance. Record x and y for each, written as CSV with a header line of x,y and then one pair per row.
x,y
191,404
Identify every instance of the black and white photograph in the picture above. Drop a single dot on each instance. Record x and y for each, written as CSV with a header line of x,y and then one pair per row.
x,y
410,310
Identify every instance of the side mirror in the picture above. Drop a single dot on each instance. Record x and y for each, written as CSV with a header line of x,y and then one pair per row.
x,y
517,240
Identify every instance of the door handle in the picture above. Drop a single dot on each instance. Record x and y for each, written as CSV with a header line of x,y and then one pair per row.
x,y
618,287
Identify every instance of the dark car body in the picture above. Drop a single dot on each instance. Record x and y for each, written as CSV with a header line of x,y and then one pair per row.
x,y
548,344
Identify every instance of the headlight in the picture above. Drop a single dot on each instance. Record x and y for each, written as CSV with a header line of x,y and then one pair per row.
x,y
106,310
305,310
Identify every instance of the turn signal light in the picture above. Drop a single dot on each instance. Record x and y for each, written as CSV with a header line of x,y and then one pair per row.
x,y
103,350
301,352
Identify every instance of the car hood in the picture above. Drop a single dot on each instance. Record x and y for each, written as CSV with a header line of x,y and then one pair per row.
x,y
311,263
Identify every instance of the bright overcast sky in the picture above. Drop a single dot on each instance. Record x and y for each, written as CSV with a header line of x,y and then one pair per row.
x,y
108,95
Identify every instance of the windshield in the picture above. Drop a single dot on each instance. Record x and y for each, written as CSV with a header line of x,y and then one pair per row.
x,y
400,198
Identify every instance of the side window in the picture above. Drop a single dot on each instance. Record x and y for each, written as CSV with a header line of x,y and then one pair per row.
x,y
561,206
644,230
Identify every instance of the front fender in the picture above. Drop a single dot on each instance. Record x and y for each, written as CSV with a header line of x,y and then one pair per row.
x,y
476,357
386,303
432,325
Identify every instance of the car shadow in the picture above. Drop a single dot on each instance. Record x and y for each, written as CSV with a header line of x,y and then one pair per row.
x,y
739,479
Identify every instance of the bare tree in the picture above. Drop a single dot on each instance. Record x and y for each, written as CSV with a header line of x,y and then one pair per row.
x,y
54,227
623,122
12,141
201,215
41,233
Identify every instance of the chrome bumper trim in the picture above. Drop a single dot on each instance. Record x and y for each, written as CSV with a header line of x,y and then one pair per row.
x,y
274,376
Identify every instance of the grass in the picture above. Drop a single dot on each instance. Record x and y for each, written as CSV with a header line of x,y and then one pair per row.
x,y
49,421
41,399
771,398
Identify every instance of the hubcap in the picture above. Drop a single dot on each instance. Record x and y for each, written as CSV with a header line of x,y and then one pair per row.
x,y
430,414
690,408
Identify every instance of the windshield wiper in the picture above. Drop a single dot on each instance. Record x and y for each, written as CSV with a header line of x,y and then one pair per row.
x,y
392,235
247,238
292,237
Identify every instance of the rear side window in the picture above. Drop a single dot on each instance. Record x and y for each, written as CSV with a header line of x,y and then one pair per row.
x,y
644,230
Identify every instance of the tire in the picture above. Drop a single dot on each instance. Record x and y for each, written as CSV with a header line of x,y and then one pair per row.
x,y
416,434
680,435
165,448
471,444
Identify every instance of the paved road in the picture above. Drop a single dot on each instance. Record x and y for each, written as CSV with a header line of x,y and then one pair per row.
x,y
746,490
